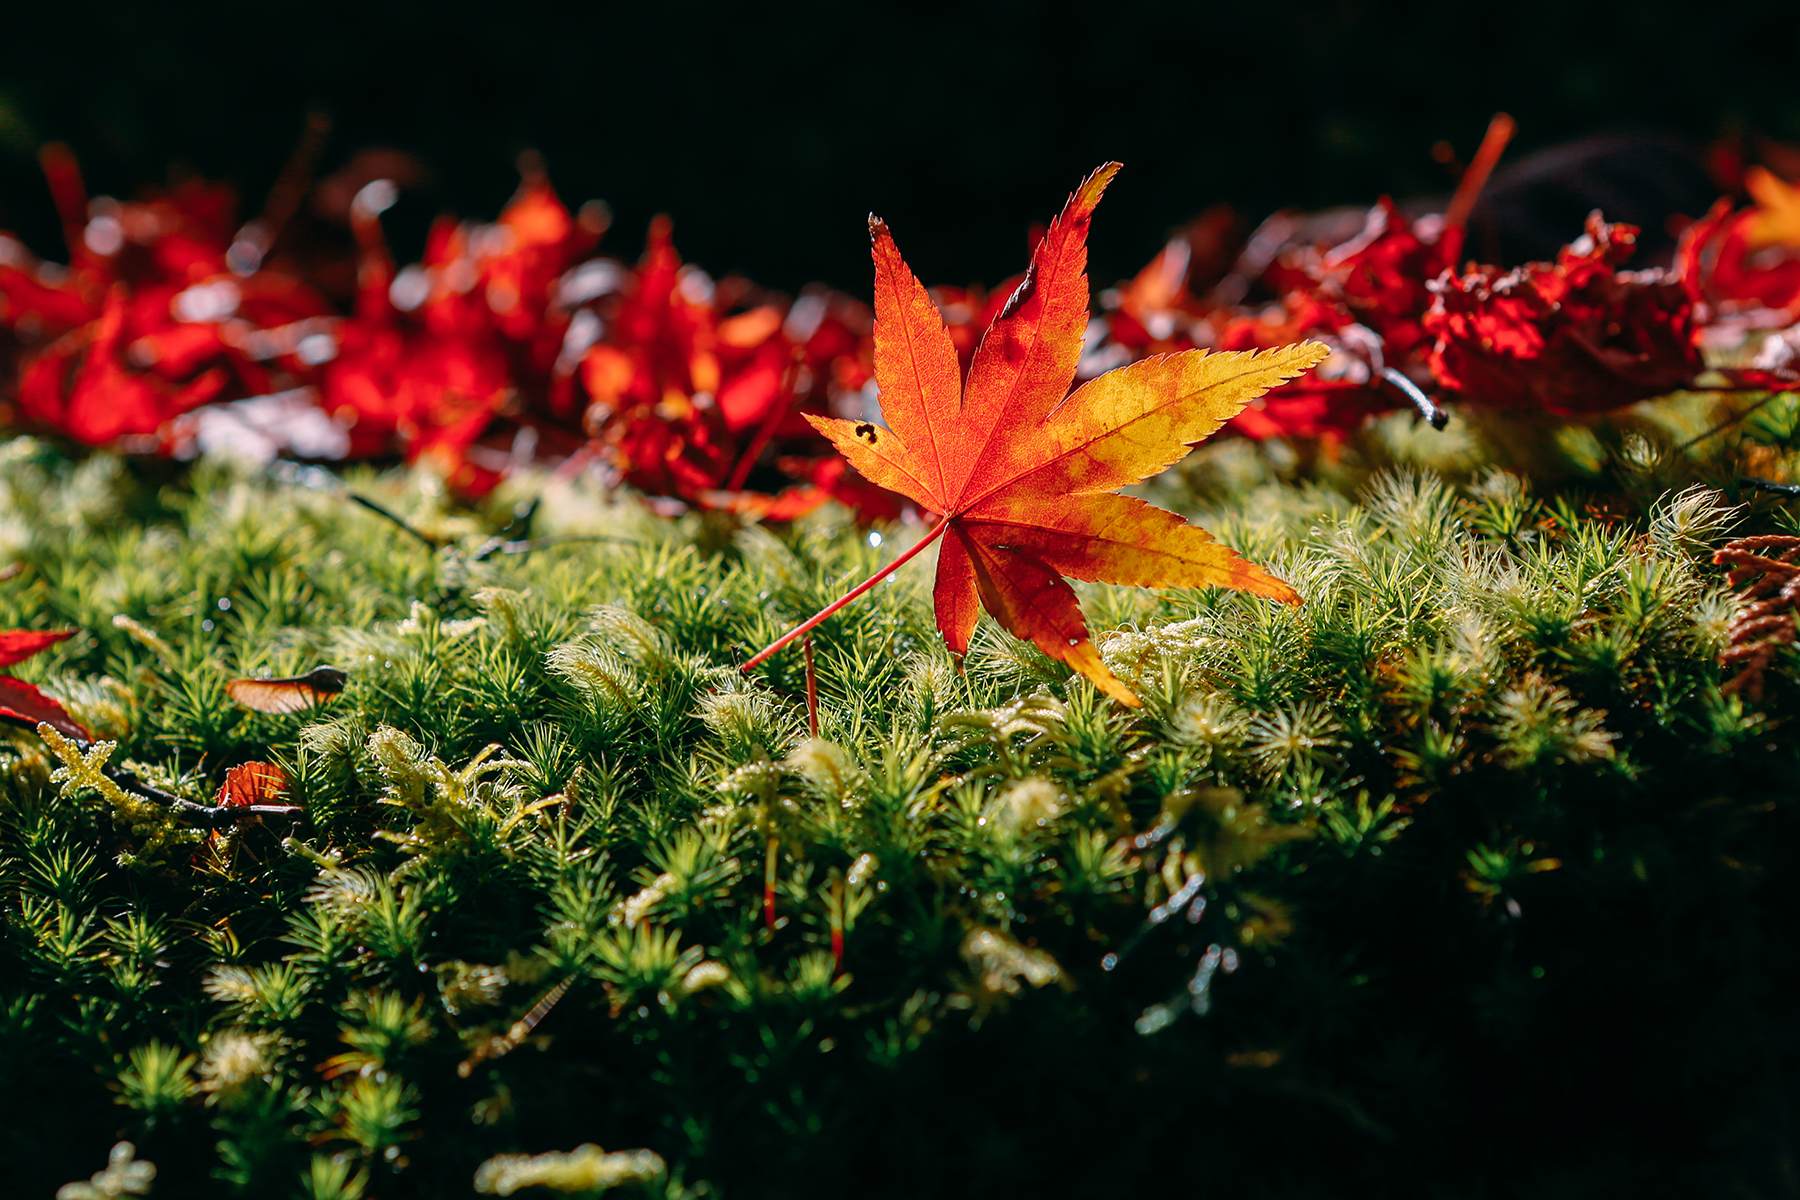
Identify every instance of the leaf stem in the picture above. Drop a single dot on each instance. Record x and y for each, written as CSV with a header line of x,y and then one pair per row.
x,y
813,622
812,690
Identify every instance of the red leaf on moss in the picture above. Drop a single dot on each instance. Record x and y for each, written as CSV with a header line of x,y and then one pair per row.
x,y
1573,336
1023,472
24,703
17,645
253,783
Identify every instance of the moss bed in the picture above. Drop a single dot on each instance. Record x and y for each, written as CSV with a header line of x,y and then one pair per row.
x,y
1466,878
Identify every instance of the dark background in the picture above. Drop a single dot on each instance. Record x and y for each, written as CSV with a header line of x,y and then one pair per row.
x,y
768,130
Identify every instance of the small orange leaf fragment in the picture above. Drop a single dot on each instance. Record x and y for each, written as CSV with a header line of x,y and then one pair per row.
x,y
252,783
291,695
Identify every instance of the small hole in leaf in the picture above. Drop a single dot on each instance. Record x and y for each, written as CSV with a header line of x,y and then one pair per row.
x,y
866,432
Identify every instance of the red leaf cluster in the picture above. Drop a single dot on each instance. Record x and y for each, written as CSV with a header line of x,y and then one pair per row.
x,y
698,390
146,322
1576,335
173,328
169,329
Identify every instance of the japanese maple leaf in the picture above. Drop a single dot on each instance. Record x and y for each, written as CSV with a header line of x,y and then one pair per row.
x,y
1024,473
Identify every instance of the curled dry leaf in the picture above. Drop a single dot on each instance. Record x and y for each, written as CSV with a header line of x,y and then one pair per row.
x,y
291,695
1577,335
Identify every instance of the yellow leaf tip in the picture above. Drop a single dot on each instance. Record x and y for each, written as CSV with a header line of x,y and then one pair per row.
x,y
1088,194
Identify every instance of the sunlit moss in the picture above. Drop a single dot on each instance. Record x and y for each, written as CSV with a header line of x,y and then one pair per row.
x,y
568,877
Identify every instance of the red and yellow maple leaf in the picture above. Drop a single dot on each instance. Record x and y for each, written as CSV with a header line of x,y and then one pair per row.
x,y
1023,473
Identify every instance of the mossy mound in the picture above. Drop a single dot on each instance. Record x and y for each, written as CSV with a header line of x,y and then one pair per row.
x,y
1464,878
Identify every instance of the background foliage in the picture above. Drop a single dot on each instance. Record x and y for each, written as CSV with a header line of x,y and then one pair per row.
x,y
767,133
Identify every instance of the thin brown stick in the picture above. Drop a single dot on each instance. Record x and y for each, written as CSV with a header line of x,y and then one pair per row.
x,y
813,622
1728,422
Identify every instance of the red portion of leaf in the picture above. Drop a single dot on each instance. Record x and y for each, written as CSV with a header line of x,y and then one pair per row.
x,y
954,595
1725,274
85,386
1028,356
17,645
914,350
1573,336
1379,278
22,701
253,783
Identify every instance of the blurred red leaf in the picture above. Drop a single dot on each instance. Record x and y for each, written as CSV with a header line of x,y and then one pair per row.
x,y
17,645
1735,260
1573,336
23,702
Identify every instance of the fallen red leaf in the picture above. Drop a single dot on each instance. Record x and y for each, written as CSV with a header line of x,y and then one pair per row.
x,y
1572,336
17,645
24,703
253,783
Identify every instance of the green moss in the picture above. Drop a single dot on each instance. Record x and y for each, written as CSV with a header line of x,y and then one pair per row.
x,y
1466,855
